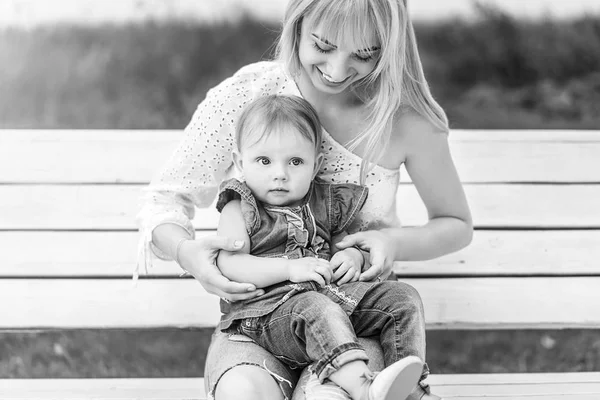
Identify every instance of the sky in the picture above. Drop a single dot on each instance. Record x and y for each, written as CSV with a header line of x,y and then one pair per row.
x,y
35,12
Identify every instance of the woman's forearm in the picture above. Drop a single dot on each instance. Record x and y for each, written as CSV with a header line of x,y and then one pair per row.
x,y
440,236
260,271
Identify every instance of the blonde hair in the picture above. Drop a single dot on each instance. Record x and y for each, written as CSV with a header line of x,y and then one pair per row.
x,y
268,114
397,80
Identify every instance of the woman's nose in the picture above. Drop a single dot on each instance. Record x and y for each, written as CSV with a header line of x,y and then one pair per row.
x,y
338,68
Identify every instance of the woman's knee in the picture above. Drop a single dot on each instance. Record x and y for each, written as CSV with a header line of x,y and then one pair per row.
x,y
249,382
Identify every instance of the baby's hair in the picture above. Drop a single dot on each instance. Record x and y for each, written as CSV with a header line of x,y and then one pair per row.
x,y
271,113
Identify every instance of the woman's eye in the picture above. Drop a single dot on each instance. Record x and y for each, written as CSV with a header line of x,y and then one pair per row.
x,y
319,48
264,161
363,58
296,161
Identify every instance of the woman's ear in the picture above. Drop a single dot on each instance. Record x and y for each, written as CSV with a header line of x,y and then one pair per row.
x,y
318,162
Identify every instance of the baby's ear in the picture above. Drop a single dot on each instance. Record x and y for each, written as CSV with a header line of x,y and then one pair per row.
x,y
237,160
318,162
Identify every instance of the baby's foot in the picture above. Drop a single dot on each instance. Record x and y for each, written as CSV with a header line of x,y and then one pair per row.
x,y
395,382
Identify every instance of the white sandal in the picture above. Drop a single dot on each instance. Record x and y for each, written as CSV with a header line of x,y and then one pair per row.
x,y
396,381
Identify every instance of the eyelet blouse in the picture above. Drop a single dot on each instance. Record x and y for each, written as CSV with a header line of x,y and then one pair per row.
x,y
192,175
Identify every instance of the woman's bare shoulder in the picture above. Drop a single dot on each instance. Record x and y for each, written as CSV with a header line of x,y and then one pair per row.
x,y
412,131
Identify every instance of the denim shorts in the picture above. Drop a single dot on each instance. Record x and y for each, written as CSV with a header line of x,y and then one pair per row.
x,y
230,350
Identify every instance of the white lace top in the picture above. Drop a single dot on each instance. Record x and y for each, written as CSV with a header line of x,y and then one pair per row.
x,y
203,159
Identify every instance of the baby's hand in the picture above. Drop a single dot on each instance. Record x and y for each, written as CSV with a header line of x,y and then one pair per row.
x,y
347,265
310,269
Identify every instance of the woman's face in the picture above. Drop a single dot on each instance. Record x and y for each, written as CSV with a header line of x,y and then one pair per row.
x,y
333,67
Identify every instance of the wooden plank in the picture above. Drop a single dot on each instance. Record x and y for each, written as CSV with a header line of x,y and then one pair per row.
x,y
110,207
136,155
75,155
122,389
513,161
516,253
452,303
534,378
577,386
525,135
113,254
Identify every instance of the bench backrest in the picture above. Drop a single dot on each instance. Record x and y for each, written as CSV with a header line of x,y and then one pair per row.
x,y
68,238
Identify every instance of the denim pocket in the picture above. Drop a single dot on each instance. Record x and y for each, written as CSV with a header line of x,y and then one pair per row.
x,y
250,324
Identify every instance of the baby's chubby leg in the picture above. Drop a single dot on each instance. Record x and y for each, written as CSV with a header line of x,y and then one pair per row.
x,y
311,327
307,328
309,387
393,311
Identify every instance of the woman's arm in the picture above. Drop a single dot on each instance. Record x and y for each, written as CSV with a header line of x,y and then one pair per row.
x,y
431,168
190,179
241,266
449,227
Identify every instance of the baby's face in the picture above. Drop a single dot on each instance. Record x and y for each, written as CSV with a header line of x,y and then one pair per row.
x,y
280,167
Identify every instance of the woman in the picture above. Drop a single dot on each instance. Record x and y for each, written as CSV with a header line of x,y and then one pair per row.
x,y
356,63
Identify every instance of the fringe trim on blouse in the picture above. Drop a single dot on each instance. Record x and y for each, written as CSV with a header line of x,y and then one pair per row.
x,y
144,254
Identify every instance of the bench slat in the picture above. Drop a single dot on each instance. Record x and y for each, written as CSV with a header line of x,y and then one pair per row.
x,y
451,303
114,207
481,156
84,254
549,386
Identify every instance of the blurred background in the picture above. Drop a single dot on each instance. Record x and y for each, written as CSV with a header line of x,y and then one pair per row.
x,y
146,64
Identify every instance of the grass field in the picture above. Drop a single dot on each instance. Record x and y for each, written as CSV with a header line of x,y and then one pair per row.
x,y
494,73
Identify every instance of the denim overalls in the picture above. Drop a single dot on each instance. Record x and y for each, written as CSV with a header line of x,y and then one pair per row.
x,y
300,323
294,232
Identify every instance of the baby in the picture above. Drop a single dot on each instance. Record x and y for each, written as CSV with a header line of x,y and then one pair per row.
x,y
314,306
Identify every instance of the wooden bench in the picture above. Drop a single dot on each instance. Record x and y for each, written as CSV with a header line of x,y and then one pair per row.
x,y
68,239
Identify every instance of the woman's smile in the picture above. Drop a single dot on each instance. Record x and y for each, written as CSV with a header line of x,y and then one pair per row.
x,y
329,80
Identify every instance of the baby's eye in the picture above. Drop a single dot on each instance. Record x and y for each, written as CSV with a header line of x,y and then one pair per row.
x,y
296,161
264,160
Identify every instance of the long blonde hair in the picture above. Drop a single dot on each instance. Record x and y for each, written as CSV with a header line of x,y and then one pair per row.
x,y
397,80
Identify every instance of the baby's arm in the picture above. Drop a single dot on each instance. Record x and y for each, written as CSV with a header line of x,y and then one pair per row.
x,y
261,271
347,264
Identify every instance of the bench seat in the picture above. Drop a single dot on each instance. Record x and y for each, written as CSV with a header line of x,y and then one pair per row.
x,y
67,231
542,386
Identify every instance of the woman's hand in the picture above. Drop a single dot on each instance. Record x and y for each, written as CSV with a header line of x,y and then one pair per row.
x,y
381,252
347,265
198,257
